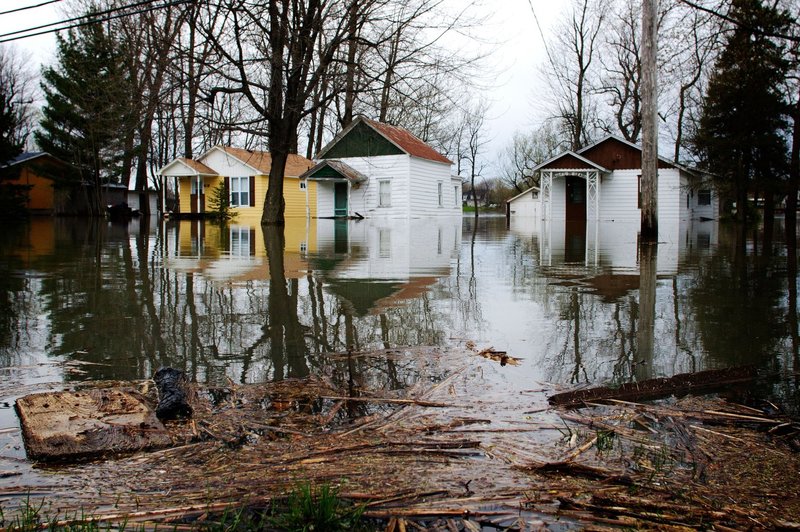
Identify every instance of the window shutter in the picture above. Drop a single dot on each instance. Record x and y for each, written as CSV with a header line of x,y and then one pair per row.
x,y
228,187
252,181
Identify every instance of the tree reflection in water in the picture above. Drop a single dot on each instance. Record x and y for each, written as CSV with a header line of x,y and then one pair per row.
x,y
224,302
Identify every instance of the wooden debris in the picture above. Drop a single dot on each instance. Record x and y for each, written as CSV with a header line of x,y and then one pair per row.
x,y
653,388
69,425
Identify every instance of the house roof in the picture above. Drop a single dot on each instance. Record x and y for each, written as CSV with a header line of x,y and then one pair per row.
x,y
572,154
614,138
403,139
521,194
262,160
344,171
29,156
196,166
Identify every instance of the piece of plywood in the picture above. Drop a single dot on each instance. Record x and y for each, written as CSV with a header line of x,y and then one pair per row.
x,y
68,425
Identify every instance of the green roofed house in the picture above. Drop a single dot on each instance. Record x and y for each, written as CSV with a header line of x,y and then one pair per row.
x,y
372,169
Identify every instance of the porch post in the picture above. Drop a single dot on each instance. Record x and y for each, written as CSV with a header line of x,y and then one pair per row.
x,y
199,191
546,192
593,192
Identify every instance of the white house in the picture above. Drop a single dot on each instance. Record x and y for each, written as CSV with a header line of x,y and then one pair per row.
x,y
525,204
601,182
372,169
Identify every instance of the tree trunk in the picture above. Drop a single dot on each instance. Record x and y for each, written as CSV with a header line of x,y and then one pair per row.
x,y
274,204
649,222
352,48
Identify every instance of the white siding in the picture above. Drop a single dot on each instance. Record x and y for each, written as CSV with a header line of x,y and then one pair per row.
x,y
226,165
391,249
364,199
425,177
670,196
325,199
558,198
619,196
526,206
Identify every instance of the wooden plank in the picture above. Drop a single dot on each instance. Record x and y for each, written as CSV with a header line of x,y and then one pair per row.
x,y
684,383
70,425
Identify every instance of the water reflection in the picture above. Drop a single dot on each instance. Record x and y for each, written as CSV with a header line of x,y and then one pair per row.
x,y
579,303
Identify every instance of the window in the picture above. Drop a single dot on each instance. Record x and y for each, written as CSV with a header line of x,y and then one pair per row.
x,y
240,191
441,198
303,184
384,193
240,241
384,244
455,196
704,197
193,182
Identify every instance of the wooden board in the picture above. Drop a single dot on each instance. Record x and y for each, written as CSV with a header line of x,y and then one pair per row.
x,y
69,425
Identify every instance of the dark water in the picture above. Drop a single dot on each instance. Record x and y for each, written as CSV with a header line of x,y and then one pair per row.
x,y
87,300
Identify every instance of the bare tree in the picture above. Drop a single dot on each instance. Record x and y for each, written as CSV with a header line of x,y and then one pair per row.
x,y
473,143
525,152
16,98
572,62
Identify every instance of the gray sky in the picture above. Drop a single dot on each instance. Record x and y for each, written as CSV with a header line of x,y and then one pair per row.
x,y
514,86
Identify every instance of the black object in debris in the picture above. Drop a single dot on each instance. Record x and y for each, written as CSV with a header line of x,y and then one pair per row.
x,y
173,400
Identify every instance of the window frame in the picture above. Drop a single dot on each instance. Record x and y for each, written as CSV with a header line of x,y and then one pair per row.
x,y
384,196
240,186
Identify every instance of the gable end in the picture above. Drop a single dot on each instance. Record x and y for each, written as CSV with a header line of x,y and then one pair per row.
x,y
361,141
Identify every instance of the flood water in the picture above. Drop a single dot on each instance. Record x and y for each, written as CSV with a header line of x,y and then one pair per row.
x,y
81,299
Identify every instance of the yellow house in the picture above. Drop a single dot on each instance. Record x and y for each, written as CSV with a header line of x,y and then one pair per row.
x,y
246,175
36,173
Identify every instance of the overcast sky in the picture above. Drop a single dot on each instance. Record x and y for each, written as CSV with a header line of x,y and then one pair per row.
x,y
518,54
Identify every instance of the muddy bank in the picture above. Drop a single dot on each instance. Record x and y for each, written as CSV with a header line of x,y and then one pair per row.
x,y
464,450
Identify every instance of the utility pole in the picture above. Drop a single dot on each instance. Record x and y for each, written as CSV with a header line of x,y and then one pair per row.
x,y
649,179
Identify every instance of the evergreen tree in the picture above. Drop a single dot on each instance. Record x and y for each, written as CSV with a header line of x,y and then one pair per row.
x,y
85,113
741,132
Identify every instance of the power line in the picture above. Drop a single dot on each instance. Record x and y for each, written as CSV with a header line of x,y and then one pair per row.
x,y
28,7
85,20
74,19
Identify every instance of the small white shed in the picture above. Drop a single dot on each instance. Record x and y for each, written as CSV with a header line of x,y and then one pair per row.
x,y
525,204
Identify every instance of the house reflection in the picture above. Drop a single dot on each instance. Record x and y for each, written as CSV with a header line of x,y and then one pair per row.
x,y
377,263
233,252
605,306
290,298
589,246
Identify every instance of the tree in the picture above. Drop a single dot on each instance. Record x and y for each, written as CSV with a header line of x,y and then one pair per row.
x,y
473,143
279,53
741,132
572,62
15,127
85,113
523,154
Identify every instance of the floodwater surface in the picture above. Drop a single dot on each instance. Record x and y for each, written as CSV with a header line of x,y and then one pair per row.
x,y
82,299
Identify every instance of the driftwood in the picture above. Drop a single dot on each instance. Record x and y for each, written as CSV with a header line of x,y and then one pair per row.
x,y
682,384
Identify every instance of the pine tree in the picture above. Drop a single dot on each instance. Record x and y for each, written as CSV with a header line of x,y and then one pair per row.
x,y
85,112
740,137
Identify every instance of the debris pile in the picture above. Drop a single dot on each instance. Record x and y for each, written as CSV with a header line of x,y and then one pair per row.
x,y
457,450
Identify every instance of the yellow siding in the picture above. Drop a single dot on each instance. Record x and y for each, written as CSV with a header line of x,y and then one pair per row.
x,y
300,236
294,196
40,196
